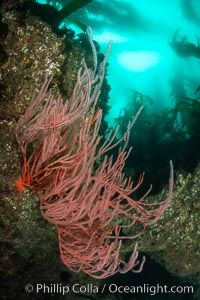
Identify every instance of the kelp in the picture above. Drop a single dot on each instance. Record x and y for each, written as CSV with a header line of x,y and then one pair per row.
x,y
50,14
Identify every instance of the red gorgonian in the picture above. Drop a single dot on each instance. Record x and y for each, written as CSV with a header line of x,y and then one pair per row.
x,y
82,191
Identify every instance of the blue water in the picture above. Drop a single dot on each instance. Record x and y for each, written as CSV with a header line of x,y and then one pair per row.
x,y
141,57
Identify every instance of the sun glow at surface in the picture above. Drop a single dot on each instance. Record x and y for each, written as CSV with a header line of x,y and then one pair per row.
x,y
138,61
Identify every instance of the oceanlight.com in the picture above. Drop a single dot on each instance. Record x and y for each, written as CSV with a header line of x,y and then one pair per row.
x,y
58,288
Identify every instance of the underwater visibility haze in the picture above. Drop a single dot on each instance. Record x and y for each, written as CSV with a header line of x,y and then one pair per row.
x,y
142,56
